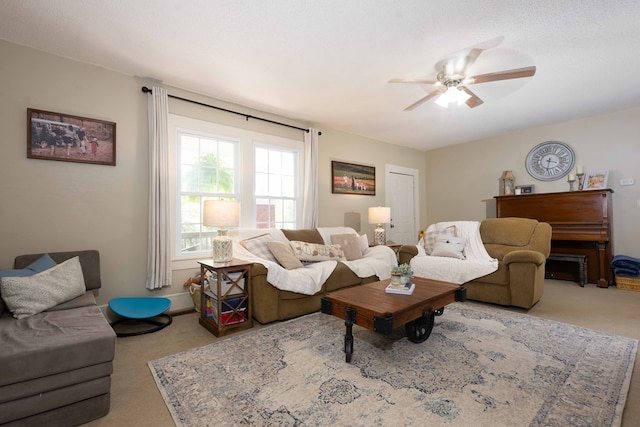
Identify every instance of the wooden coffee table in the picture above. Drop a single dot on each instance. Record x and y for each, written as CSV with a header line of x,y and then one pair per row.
x,y
371,307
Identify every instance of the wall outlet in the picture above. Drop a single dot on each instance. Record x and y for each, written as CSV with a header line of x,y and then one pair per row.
x,y
626,181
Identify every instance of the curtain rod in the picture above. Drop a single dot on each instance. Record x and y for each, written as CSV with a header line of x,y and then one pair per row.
x,y
246,116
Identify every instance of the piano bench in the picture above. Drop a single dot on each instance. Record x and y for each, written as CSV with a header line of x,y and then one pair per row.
x,y
582,265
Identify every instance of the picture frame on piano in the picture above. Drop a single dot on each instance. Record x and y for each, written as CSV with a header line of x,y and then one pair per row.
x,y
596,180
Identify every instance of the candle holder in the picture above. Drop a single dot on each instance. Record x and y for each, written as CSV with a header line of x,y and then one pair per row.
x,y
580,181
571,182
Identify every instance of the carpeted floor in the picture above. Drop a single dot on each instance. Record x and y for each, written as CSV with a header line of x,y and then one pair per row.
x,y
480,366
136,400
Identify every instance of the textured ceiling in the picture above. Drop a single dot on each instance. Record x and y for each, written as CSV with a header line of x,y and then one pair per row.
x,y
328,62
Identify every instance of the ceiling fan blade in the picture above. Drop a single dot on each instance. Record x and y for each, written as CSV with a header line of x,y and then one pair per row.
x,y
516,73
474,101
425,99
470,59
422,82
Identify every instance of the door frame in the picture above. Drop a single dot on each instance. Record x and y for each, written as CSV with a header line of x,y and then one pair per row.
x,y
388,170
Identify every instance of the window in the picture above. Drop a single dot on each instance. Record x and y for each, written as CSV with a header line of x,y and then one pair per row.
x,y
213,161
276,200
207,170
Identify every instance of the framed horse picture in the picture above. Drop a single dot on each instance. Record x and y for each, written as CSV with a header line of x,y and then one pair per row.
x,y
349,178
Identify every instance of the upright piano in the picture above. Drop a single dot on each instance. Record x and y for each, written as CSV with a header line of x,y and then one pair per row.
x,y
581,222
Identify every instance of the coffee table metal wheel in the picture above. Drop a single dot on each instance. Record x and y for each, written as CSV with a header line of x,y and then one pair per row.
x,y
419,330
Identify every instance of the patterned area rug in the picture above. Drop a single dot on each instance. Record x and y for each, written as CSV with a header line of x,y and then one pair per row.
x,y
482,366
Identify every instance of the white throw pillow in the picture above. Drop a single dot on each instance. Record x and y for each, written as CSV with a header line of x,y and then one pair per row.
x,y
364,243
258,246
450,248
315,252
26,296
434,235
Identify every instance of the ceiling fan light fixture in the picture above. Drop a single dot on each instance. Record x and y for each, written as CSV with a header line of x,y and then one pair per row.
x,y
452,95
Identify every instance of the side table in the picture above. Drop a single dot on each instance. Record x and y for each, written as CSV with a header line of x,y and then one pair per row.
x,y
226,302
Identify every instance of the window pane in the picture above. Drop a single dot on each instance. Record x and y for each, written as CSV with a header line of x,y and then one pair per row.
x,y
189,178
275,185
289,211
288,186
276,177
275,161
262,160
288,164
226,154
202,176
262,184
189,149
265,214
190,211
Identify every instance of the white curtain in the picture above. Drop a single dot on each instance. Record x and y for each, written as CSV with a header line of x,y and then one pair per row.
x,y
310,189
159,242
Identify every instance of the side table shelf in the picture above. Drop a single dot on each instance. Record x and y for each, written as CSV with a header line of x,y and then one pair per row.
x,y
226,301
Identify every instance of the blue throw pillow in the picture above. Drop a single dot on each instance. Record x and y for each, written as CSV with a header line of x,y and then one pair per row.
x,y
43,263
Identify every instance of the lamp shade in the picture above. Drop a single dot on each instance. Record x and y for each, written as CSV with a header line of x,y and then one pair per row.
x,y
379,215
221,213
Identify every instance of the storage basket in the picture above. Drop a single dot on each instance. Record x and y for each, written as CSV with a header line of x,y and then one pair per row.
x,y
196,295
628,283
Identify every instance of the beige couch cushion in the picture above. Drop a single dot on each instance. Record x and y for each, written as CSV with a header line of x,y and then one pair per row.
x,y
350,244
311,235
284,254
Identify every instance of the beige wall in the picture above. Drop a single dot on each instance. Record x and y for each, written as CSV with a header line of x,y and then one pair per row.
x,y
335,145
460,179
56,206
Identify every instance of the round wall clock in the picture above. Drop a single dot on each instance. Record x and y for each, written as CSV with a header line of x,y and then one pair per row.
x,y
550,160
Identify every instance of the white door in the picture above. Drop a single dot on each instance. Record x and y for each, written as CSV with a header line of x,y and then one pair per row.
x,y
402,198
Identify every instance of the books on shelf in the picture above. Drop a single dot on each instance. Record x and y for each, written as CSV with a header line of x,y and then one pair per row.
x,y
402,290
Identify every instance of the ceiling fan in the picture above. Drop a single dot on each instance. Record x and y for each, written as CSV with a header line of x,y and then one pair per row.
x,y
452,82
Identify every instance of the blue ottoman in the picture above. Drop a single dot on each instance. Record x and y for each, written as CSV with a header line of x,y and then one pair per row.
x,y
140,310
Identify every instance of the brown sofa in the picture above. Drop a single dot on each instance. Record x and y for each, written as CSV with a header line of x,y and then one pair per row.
x,y
57,364
270,304
521,246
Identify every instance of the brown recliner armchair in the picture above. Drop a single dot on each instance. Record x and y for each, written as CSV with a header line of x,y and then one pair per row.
x,y
521,246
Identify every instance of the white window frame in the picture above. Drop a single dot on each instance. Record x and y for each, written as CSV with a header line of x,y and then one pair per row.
x,y
228,196
245,182
297,185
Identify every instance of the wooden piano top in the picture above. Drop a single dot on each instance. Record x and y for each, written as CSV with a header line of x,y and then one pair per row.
x,y
573,215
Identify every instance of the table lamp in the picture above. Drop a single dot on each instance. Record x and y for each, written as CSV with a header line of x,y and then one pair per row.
x,y
379,215
221,213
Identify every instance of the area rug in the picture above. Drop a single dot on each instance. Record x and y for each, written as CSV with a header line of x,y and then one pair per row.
x,y
481,366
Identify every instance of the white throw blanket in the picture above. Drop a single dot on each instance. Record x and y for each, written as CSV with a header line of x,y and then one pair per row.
x,y
377,261
477,263
307,280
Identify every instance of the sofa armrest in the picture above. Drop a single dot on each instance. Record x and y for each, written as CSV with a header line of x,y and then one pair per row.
x,y
523,255
406,252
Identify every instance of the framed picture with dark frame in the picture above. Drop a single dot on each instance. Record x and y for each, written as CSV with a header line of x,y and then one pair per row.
x,y
67,138
349,178
525,189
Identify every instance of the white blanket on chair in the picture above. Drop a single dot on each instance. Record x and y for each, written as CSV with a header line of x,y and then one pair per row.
x,y
477,263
